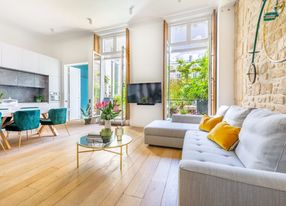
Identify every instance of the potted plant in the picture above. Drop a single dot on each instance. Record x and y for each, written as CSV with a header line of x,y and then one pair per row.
x,y
1,96
39,98
87,113
109,111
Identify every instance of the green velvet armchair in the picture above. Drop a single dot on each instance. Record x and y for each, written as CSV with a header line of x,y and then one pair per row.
x,y
55,117
24,120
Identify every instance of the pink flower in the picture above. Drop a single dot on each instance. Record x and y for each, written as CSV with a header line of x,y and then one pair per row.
x,y
115,108
101,105
105,104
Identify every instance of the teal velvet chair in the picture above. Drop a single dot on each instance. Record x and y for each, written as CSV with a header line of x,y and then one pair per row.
x,y
55,117
24,120
1,131
25,108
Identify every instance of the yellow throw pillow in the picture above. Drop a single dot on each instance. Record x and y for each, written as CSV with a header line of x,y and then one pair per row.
x,y
224,135
208,123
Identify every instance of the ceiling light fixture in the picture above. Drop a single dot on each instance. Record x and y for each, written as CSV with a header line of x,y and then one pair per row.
x,y
89,20
131,10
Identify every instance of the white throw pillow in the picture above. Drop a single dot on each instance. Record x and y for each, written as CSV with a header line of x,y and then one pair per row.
x,y
222,110
263,140
235,115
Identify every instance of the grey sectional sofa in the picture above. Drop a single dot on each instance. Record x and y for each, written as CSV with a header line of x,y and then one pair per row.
x,y
251,175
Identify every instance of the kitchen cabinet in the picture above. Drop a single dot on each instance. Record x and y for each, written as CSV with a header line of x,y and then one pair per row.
x,y
11,56
41,81
8,77
25,79
30,61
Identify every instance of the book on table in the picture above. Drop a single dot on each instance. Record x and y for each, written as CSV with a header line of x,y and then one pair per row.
x,y
94,138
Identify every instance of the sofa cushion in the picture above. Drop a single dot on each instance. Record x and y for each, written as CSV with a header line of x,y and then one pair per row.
x,y
235,115
168,128
198,147
208,123
262,141
222,110
224,135
186,118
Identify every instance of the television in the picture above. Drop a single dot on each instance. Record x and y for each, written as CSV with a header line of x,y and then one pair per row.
x,y
144,93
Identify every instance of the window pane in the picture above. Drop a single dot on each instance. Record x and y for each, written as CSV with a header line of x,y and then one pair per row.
x,y
108,45
178,33
120,42
199,30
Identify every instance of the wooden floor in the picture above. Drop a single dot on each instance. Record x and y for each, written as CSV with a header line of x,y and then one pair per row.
x,y
43,172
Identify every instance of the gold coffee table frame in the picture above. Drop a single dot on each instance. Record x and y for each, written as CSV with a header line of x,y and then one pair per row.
x,y
94,147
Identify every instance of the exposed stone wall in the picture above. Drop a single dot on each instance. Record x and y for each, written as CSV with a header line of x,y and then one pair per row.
x,y
269,91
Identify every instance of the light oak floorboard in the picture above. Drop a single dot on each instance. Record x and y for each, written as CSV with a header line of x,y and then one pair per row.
x,y
43,172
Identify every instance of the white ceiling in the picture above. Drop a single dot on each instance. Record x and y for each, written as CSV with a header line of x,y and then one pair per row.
x,y
70,15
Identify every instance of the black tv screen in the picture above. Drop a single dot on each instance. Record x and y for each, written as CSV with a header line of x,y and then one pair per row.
x,y
144,93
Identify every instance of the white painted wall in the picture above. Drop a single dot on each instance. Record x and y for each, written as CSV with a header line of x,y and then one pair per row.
x,y
225,86
73,49
19,37
146,41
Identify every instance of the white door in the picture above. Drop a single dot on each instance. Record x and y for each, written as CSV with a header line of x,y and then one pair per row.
x,y
74,93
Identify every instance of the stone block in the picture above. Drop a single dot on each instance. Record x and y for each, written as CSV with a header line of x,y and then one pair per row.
x,y
256,88
279,99
277,73
266,88
283,86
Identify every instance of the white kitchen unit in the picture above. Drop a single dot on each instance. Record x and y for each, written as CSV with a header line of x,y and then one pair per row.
x,y
30,61
12,57
49,66
55,83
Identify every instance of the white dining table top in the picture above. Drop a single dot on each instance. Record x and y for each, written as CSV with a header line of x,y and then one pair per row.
x,y
9,110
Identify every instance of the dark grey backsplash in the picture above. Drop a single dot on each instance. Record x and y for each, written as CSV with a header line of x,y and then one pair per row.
x,y
22,94
23,86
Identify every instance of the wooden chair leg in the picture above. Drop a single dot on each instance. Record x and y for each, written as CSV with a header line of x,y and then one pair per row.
x,y
2,145
4,140
54,130
27,135
41,129
66,126
20,139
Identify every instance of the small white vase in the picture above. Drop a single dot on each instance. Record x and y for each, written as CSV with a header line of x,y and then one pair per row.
x,y
107,124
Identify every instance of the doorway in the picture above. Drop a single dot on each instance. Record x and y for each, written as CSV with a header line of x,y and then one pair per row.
x,y
109,69
76,89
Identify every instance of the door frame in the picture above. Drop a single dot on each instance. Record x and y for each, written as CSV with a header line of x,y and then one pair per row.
x,y
66,85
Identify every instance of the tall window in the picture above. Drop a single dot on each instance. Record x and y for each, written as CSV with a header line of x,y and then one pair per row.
x,y
188,70
113,71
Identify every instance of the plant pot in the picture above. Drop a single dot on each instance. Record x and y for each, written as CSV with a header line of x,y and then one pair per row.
x,y
202,106
107,124
87,121
106,139
106,135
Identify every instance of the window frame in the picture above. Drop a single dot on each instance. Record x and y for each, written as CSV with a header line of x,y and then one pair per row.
x,y
190,45
114,52
189,40
179,42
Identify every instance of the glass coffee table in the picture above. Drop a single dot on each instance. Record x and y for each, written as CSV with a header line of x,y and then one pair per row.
x,y
91,145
